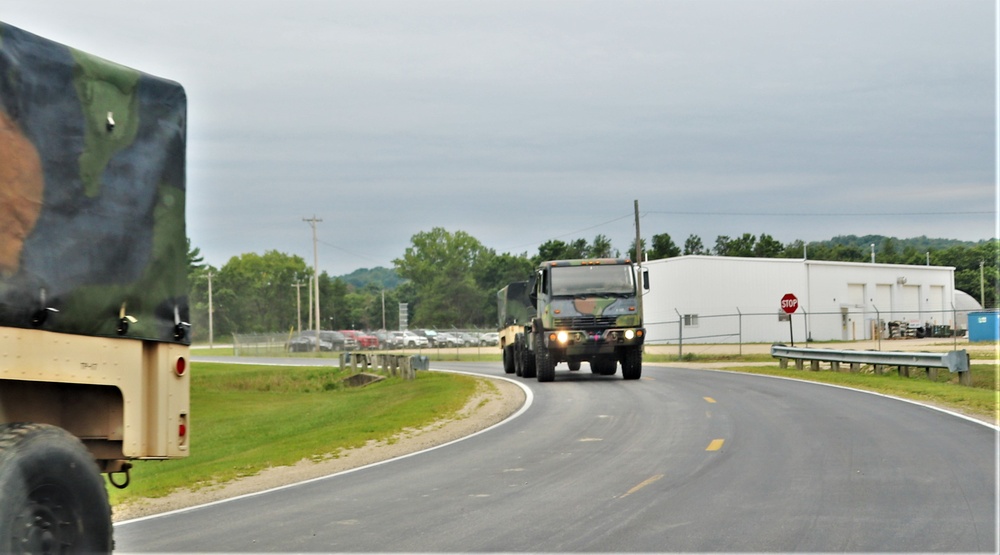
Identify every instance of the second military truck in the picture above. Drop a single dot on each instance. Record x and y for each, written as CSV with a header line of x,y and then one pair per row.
x,y
573,311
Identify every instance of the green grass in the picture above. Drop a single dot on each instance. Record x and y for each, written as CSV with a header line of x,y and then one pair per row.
x,y
245,419
212,351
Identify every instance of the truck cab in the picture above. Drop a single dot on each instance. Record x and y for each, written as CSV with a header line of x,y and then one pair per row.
x,y
587,310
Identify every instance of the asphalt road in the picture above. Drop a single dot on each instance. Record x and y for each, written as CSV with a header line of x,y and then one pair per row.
x,y
682,460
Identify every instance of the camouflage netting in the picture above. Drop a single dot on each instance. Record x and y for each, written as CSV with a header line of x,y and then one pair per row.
x,y
91,194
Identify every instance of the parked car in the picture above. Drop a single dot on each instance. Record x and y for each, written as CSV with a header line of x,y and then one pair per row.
x,y
339,341
489,338
430,335
410,339
470,339
364,340
394,340
448,339
306,342
385,338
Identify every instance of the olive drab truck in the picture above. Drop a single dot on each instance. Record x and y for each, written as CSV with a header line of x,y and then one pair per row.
x,y
514,310
93,288
578,311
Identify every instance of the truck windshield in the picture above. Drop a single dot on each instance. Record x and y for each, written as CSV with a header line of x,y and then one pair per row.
x,y
592,280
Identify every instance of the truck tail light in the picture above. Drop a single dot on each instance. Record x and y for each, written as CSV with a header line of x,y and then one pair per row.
x,y
182,429
180,366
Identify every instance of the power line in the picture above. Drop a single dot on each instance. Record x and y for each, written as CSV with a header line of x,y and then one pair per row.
x,y
354,254
816,214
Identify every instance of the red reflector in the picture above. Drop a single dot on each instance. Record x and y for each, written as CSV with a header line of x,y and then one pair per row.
x,y
181,366
182,430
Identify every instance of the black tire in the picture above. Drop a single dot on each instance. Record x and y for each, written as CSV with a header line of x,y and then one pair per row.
x,y
604,365
527,363
574,365
544,366
632,363
508,359
54,498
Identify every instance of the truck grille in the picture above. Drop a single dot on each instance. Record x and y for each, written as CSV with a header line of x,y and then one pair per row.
x,y
585,322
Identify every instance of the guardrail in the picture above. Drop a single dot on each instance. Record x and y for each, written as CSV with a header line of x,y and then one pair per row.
x,y
954,361
404,366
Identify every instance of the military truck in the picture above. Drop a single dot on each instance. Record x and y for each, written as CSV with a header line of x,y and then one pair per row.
x,y
573,311
93,288
514,311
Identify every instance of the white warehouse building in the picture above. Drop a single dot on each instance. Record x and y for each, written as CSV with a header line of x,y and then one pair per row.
x,y
718,299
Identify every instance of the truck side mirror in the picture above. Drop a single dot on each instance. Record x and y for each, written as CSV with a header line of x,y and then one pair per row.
x,y
533,291
645,279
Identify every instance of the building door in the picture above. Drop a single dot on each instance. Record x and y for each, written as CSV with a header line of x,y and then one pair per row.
x,y
856,312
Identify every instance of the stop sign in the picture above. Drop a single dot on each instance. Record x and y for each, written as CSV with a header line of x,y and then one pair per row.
x,y
789,303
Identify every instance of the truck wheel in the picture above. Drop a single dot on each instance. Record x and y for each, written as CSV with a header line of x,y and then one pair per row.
x,y
574,365
54,498
604,365
527,363
632,363
544,366
508,359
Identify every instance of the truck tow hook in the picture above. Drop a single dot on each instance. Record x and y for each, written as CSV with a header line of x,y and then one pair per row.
x,y
126,470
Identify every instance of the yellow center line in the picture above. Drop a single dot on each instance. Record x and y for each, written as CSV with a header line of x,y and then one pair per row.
x,y
715,445
645,483
709,399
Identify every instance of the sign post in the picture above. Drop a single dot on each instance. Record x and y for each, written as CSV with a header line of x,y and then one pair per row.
x,y
789,303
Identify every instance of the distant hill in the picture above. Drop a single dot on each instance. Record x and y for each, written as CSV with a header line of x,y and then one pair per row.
x,y
383,277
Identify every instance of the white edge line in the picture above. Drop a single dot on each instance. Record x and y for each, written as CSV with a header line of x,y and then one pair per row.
x,y
528,399
994,427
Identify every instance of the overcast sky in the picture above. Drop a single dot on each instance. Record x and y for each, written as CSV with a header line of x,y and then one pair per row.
x,y
521,122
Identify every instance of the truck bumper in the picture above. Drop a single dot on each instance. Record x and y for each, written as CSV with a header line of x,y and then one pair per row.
x,y
593,342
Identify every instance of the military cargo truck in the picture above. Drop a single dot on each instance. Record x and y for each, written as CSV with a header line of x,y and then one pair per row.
x,y
514,310
93,288
577,311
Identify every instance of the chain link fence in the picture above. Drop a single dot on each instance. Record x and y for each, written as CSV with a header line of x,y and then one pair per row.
x,y
778,327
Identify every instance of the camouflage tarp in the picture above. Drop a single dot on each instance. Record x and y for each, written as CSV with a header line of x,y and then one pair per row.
x,y
514,305
91,194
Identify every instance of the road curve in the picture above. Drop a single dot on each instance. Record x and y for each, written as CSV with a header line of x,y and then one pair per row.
x,y
682,460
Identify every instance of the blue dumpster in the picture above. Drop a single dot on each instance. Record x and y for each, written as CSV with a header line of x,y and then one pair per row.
x,y
984,325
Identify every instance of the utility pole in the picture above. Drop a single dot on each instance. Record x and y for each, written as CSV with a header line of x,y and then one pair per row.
x,y
640,286
982,286
310,303
312,222
298,302
211,339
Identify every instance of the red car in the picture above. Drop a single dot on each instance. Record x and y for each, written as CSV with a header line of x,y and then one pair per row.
x,y
365,341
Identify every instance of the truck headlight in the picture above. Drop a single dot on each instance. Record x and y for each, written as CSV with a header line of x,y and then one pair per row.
x,y
562,337
630,334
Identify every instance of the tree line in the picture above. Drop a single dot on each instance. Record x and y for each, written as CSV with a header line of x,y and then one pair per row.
x,y
450,279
